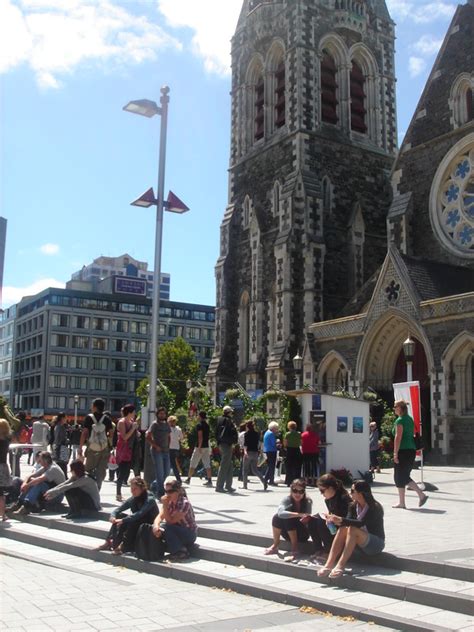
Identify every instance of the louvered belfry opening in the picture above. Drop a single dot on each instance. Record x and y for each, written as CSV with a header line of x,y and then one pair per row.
x,y
259,108
358,111
328,90
280,102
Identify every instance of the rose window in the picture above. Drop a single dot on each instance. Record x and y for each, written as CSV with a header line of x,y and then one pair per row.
x,y
454,216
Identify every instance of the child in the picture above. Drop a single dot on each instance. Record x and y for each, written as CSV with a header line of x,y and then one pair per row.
x,y
112,466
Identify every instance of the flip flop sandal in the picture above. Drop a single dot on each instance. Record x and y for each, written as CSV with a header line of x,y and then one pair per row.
x,y
291,558
336,573
325,571
270,551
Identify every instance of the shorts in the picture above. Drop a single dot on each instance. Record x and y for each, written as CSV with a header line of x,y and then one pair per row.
x,y
201,454
373,546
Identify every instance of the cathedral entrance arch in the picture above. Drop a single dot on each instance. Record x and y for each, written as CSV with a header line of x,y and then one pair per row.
x,y
381,361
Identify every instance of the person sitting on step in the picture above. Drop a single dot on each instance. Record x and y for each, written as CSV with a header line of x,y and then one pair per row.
x,y
124,529
363,528
337,502
81,491
176,522
37,484
292,519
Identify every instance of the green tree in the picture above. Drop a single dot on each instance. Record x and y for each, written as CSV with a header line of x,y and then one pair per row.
x,y
176,364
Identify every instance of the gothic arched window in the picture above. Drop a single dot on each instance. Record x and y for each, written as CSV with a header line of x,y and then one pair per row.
x,y
259,102
280,100
327,195
358,96
329,101
461,103
276,199
246,212
469,105
244,330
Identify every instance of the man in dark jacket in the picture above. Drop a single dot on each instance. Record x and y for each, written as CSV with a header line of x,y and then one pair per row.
x,y
227,437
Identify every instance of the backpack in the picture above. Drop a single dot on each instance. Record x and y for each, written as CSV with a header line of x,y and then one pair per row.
x,y
227,432
98,438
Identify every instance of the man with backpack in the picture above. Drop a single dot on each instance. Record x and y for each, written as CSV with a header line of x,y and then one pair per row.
x,y
226,436
97,429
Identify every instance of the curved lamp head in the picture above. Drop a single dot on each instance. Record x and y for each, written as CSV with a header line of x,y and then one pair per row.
x,y
144,107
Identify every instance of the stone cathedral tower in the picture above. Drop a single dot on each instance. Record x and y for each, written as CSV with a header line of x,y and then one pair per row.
x,y
313,140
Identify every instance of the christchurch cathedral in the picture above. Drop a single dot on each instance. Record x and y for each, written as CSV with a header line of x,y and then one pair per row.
x,y
335,243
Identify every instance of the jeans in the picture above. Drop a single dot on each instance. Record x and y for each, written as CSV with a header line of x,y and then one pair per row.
x,y
269,475
162,470
34,494
178,537
174,465
250,467
226,469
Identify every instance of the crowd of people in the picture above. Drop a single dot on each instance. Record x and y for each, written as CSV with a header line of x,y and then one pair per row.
x,y
152,521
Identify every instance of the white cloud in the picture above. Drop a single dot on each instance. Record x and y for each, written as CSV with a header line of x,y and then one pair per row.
x,y
49,249
427,45
213,23
416,65
12,295
421,11
54,38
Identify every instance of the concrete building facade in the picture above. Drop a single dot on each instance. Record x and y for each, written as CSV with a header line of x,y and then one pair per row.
x,y
7,330
124,265
94,344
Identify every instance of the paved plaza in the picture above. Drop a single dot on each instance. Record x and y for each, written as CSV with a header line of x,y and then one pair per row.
x,y
47,590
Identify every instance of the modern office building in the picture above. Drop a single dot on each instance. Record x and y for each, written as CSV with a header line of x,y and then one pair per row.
x,y
96,344
3,241
104,267
7,324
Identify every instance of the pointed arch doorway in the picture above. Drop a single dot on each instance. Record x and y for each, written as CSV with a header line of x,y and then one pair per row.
x,y
381,362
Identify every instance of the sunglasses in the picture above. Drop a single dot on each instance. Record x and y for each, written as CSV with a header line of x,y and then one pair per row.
x,y
298,491
353,491
170,490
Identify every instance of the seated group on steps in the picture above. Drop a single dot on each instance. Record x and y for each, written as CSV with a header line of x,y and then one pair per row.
x,y
348,524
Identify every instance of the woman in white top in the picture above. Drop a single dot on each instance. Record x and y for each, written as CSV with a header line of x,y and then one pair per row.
x,y
176,437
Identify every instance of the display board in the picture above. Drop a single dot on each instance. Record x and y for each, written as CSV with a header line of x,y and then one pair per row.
x,y
343,427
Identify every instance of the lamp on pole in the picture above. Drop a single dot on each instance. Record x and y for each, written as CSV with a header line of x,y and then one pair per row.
x,y
147,108
76,402
409,352
297,365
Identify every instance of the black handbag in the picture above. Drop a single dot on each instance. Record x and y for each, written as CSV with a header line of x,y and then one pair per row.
x,y
147,547
419,443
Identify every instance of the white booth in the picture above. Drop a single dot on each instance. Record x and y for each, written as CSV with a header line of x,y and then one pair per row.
x,y
343,427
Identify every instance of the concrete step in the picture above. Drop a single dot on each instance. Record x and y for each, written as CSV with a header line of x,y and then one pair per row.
x,y
412,564
450,594
259,577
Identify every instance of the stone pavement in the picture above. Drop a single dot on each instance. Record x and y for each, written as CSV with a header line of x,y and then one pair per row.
x,y
85,596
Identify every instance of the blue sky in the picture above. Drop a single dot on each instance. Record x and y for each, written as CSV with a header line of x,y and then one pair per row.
x,y
71,160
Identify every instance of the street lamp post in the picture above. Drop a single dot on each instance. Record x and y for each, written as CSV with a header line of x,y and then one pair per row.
x,y
409,352
76,402
148,108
